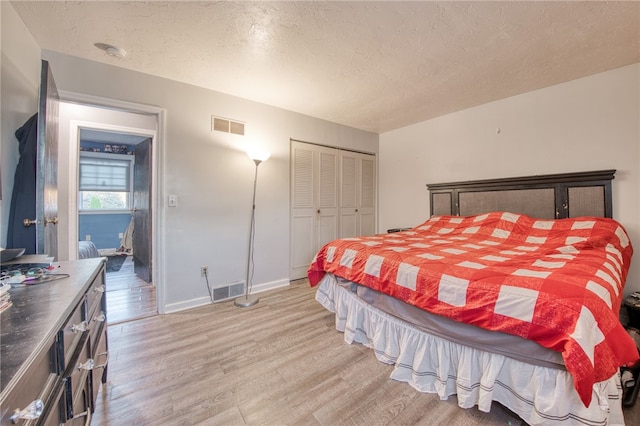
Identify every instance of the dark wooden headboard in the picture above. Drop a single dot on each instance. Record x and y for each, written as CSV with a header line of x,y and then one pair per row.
x,y
554,196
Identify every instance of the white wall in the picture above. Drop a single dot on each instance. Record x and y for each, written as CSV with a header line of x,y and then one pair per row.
x,y
588,124
19,81
211,176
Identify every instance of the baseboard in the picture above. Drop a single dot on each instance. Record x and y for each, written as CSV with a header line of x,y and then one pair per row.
x,y
186,304
201,301
259,288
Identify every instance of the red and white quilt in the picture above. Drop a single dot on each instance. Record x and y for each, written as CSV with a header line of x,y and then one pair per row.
x,y
557,282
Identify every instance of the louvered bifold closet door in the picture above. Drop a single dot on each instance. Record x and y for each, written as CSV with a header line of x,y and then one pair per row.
x,y
302,210
314,202
333,195
357,196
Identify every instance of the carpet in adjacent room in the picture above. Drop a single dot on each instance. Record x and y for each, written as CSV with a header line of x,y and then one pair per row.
x,y
114,262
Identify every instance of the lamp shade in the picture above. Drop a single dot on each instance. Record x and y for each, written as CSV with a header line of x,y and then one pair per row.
x,y
258,154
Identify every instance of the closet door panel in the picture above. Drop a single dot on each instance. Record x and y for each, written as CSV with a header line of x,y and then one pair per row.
x,y
357,197
327,201
349,224
304,250
348,195
367,224
327,231
348,181
367,195
303,209
328,182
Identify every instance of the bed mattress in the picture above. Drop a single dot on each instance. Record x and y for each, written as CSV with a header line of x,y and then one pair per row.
x,y
465,334
87,250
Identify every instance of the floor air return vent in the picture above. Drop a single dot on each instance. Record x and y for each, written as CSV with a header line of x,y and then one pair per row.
x,y
227,292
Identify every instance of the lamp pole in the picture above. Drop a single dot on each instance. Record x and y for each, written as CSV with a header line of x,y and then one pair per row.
x,y
246,301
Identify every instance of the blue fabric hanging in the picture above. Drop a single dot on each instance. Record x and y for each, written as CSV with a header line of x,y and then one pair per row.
x,y
23,198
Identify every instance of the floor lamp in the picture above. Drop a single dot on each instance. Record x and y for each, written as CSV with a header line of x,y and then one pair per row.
x,y
246,301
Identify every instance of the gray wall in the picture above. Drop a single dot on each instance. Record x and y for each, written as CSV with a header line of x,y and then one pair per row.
x,y
211,175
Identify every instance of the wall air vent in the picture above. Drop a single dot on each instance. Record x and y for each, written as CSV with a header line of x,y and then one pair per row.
x,y
230,291
220,124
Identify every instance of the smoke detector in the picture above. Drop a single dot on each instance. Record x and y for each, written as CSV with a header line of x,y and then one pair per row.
x,y
110,50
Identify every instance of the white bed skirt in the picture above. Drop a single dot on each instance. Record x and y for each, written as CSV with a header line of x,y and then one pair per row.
x,y
539,395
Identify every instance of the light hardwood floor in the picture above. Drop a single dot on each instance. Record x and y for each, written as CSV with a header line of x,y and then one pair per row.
x,y
129,297
278,362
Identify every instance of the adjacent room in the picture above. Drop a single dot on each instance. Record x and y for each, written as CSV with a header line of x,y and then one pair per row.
x,y
354,212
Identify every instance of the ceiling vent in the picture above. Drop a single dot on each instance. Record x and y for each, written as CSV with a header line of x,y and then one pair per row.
x,y
220,124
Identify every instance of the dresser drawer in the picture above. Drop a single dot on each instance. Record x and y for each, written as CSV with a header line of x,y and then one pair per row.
x,y
54,410
101,359
95,295
39,382
81,402
77,375
72,332
97,324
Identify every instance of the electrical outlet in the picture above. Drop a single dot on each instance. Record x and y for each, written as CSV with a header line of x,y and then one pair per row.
x,y
120,235
204,271
87,237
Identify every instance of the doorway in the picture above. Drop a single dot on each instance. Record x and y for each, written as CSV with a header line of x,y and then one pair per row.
x,y
114,216
123,127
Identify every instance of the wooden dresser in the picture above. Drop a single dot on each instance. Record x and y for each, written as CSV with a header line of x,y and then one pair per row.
x,y
53,347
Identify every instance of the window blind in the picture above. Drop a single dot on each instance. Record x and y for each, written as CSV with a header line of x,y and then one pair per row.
x,y
104,174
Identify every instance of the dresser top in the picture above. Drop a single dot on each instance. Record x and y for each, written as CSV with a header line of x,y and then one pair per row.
x,y
38,312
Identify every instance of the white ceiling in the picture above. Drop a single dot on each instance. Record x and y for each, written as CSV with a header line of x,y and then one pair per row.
x,y
375,66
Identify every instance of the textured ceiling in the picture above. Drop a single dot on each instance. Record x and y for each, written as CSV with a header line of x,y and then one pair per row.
x,y
375,66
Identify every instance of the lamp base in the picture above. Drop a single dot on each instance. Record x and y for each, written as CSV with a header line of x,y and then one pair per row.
x,y
245,301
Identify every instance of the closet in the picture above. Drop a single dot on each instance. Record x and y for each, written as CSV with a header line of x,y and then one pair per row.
x,y
333,195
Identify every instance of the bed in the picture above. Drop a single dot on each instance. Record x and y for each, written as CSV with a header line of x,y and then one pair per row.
x,y
87,250
509,292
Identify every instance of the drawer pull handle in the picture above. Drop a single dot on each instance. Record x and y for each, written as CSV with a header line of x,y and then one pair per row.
x,y
87,365
99,289
79,328
100,318
30,412
86,414
106,360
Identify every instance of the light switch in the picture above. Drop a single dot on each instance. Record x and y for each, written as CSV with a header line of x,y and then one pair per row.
x,y
173,200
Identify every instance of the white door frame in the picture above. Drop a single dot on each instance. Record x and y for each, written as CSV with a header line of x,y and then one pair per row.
x,y
157,189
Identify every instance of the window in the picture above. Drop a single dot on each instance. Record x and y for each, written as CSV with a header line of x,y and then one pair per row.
x,y
105,182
